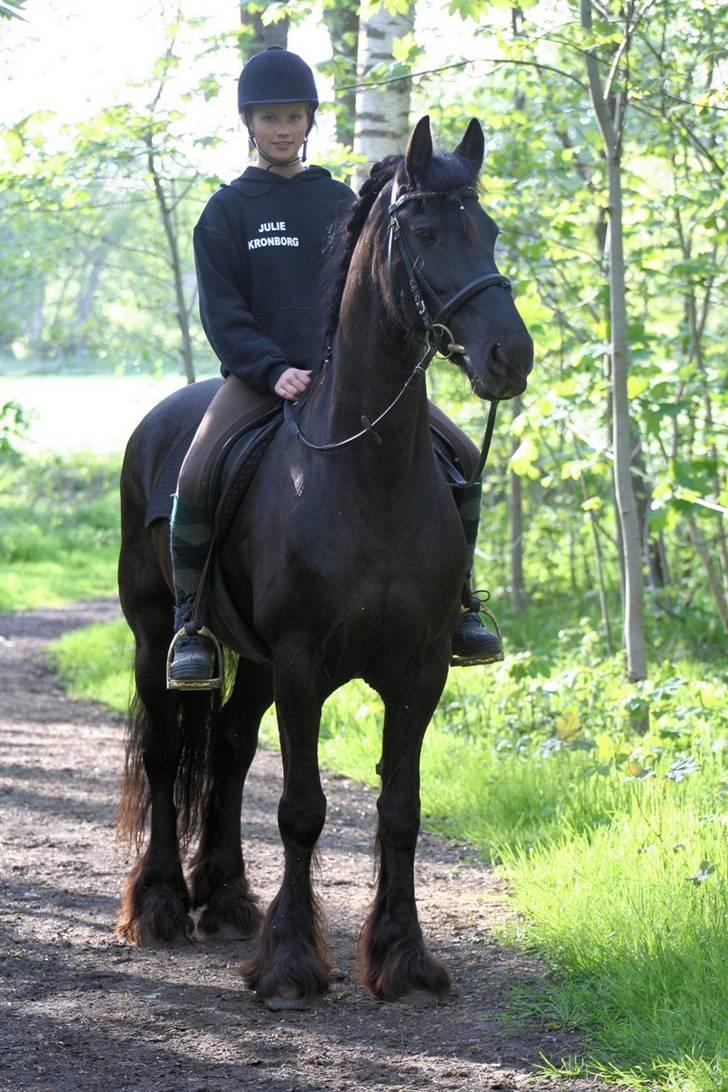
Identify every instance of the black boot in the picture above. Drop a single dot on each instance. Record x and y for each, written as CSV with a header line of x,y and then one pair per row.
x,y
194,657
194,660
472,643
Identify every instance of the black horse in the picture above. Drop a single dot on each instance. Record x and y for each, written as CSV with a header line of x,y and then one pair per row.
x,y
346,563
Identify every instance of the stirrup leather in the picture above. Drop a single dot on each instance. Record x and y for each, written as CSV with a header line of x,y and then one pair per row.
x,y
214,683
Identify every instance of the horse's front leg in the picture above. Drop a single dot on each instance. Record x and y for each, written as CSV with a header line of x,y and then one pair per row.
x,y
219,885
393,960
292,964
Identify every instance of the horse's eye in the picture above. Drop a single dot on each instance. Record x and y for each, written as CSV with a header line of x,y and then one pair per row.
x,y
425,235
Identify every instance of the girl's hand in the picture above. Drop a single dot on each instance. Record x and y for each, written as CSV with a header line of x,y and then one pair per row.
x,y
292,383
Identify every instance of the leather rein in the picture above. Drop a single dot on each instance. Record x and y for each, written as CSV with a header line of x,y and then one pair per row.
x,y
438,338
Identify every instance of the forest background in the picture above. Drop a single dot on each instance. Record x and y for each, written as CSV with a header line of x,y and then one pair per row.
x,y
600,780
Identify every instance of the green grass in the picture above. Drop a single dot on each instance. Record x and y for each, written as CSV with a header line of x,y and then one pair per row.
x,y
60,538
96,663
633,918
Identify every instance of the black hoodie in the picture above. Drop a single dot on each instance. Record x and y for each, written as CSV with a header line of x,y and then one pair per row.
x,y
258,252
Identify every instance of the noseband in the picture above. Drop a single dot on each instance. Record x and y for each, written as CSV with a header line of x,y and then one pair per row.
x,y
436,330
438,337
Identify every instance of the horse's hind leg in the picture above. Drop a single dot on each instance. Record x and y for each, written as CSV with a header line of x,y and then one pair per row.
x,y
393,960
219,884
155,902
292,963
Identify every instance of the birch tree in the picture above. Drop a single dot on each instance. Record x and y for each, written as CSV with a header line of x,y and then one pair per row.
x,y
382,109
609,111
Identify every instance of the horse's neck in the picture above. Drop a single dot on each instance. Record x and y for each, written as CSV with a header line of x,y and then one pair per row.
x,y
368,370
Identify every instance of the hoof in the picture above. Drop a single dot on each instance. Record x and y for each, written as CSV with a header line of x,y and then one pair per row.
x,y
422,999
229,912
287,1001
154,917
208,928
148,938
145,934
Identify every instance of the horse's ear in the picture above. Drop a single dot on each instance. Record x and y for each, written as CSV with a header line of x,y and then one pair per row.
x,y
419,149
472,146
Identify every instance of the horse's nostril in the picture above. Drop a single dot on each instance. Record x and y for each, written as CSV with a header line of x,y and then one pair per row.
x,y
499,354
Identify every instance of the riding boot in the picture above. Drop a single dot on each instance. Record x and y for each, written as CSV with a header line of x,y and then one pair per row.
x,y
472,643
193,654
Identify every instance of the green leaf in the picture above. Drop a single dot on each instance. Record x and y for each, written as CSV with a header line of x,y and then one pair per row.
x,y
14,145
523,459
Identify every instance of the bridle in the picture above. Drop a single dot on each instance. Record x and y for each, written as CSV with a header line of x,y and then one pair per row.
x,y
436,330
438,337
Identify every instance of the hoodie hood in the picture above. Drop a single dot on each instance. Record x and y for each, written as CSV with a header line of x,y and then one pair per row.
x,y
256,182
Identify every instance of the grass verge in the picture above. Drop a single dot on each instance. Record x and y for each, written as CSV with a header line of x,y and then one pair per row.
x,y
60,537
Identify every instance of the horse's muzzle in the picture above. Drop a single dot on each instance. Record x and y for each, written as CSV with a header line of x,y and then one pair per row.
x,y
506,369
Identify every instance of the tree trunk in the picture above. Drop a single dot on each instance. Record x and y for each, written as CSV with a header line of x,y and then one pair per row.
x,y
86,296
634,635
382,113
342,22
255,36
712,571
182,310
515,518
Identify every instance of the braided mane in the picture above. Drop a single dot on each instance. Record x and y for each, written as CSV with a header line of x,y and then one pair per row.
x,y
349,232
444,172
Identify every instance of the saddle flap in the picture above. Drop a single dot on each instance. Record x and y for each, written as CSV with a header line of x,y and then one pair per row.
x,y
236,466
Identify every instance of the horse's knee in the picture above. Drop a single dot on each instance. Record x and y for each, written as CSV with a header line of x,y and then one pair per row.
x,y
399,822
301,820
236,742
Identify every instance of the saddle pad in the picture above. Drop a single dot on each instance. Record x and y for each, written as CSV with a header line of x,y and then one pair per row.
x,y
160,500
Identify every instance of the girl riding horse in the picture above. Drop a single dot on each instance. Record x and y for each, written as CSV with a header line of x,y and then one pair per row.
x,y
258,251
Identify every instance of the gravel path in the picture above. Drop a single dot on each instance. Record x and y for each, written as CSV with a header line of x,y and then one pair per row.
x,y
80,1011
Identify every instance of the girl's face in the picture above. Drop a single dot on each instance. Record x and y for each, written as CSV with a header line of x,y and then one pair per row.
x,y
280,130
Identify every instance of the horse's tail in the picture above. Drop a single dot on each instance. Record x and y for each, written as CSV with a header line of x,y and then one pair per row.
x,y
196,715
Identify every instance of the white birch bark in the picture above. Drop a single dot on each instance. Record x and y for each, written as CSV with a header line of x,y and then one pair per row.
x,y
634,630
382,113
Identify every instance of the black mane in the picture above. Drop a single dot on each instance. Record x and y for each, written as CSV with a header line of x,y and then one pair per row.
x,y
443,173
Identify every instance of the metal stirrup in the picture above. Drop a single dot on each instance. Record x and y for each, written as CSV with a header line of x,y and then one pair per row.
x,y
214,683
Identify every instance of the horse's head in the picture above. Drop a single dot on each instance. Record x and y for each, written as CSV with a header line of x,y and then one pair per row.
x,y
442,264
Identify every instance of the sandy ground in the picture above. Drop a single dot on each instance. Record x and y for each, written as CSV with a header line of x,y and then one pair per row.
x,y
81,1011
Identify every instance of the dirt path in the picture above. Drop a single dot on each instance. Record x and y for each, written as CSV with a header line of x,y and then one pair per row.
x,y
79,1011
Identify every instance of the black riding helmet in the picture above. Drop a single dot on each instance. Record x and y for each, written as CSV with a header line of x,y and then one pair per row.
x,y
276,75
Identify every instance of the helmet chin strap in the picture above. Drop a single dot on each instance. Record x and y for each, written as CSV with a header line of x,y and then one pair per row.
x,y
277,162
